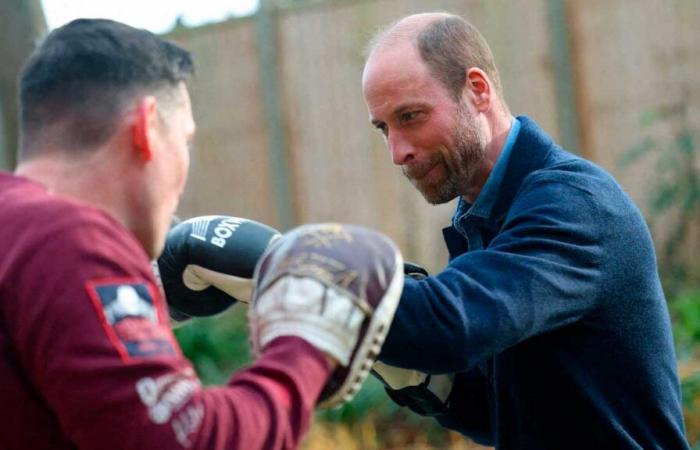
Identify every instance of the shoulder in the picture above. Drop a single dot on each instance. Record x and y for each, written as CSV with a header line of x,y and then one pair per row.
x,y
570,178
66,260
559,197
569,169
579,199
549,164
45,235
62,223
566,186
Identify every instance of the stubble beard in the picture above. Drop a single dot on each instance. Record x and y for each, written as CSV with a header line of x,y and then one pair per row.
x,y
461,162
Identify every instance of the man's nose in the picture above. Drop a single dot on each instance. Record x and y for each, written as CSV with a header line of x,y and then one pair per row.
x,y
401,150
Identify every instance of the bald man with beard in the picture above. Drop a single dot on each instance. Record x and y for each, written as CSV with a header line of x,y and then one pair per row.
x,y
548,327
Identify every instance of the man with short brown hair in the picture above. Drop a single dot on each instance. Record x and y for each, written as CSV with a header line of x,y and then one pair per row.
x,y
87,356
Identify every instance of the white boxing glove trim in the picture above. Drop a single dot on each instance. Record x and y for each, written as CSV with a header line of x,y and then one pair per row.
x,y
198,278
304,307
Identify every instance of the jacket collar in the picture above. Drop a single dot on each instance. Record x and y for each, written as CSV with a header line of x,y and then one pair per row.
x,y
525,150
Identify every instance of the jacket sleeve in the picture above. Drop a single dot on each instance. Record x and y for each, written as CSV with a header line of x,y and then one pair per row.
x,y
108,367
539,273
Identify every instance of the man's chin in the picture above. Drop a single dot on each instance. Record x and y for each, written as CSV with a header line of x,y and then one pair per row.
x,y
435,188
434,196
438,200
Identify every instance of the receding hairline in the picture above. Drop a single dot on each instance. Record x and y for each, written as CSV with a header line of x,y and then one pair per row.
x,y
447,43
406,29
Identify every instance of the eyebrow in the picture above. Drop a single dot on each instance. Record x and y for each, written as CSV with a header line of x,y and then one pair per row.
x,y
399,110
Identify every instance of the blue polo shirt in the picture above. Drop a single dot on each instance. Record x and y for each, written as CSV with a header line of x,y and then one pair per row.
x,y
550,312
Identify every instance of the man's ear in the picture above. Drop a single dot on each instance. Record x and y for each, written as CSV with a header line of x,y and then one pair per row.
x,y
143,127
478,89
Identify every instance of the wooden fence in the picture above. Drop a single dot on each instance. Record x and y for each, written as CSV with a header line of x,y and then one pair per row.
x,y
627,58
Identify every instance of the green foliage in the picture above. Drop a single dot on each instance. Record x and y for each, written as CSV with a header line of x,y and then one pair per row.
x,y
690,390
371,400
685,312
217,346
674,196
674,190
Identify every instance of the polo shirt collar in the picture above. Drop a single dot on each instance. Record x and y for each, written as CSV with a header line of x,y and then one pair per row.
x,y
485,202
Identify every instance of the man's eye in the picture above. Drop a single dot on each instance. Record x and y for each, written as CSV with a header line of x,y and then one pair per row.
x,y
409,116
382,128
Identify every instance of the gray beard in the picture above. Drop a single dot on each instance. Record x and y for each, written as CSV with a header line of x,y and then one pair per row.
x,y
462,162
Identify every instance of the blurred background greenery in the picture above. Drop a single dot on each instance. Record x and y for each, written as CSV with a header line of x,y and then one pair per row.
x,y
218,346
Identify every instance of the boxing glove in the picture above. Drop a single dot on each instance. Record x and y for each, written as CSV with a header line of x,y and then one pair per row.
x,y
207,263
335,286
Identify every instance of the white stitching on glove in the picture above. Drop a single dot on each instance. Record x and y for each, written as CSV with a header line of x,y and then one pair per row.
x,y
304,307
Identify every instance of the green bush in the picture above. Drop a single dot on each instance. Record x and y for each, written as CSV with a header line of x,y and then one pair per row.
x,y
685,312
217,346
673,200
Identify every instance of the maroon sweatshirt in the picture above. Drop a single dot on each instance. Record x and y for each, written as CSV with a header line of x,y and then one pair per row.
x,y
88,360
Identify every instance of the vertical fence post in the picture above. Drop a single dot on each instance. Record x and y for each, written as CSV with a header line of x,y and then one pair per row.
x,y
21,24
271,92
560,46
5,151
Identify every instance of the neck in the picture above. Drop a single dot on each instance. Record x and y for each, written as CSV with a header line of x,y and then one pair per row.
x,y
495,133
89,180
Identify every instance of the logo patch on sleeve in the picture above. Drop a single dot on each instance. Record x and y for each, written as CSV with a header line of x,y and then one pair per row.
x,y
130,318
